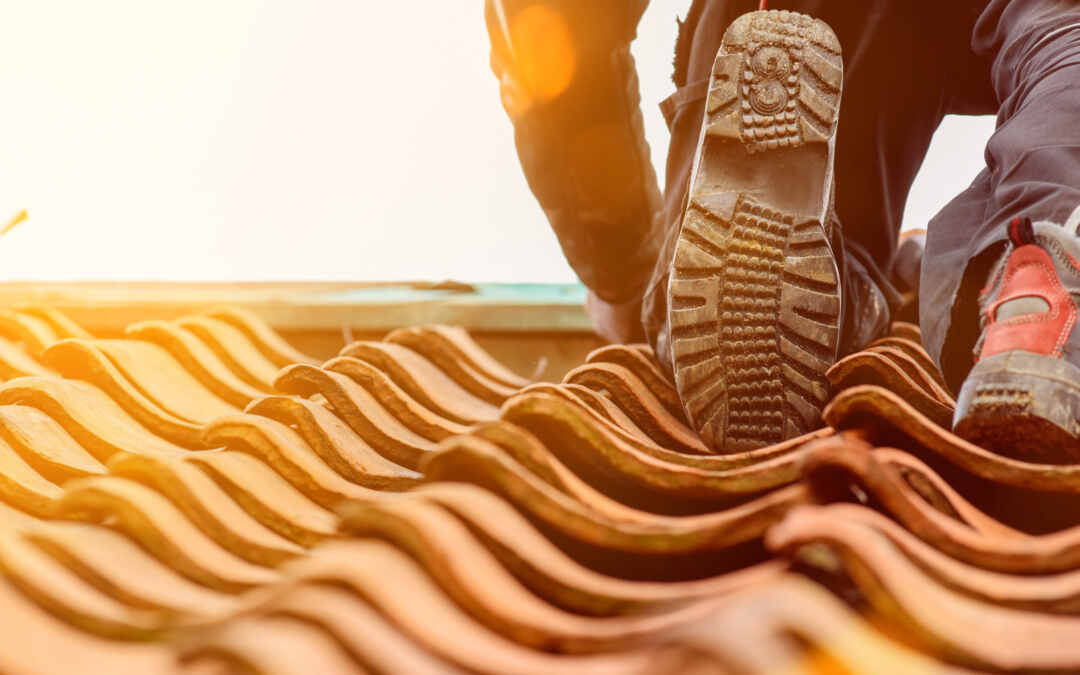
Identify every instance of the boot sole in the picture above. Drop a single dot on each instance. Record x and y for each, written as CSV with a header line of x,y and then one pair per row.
x,y
1022,405
754,293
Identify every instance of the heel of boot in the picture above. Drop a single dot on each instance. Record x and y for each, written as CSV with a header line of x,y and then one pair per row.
x,y
1023,405
776,82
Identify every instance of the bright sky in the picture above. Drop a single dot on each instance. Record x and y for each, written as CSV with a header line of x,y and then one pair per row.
x,y
291,139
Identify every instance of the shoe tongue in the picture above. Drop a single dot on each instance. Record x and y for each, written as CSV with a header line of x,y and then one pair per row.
x,y
1072,225
1021,231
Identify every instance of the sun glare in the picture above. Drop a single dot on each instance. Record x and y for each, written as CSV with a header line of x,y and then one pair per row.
x,y
544,52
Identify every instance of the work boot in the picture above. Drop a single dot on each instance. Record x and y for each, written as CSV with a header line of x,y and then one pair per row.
x,y
754,297
1022,398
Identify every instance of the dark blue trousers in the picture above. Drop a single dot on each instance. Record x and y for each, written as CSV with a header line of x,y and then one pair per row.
x,y
908,63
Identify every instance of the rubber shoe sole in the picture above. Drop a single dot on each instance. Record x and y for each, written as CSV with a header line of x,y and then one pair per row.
x,y
1023,405
754,302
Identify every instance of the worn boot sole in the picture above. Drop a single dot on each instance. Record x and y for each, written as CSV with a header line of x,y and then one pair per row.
x,y
754,292
1023,405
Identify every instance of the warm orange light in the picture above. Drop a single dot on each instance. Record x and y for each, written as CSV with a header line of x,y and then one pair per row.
x,y
19,217
543,51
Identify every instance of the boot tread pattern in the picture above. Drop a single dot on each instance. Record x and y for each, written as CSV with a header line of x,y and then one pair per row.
x,y
754,324
754,292
778,83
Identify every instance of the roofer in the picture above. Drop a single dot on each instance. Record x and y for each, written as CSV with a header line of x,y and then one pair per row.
x,y
770,253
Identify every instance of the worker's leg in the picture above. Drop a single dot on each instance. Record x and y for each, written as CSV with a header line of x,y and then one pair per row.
x,y
1033,167
900,74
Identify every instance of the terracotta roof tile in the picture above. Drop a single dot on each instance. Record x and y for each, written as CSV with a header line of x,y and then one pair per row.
x,y
201,497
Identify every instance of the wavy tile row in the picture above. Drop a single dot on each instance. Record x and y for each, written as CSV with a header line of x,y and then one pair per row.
x,y
200,497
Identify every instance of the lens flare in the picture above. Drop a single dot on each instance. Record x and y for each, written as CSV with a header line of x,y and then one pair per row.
x,y
544,53
19,217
